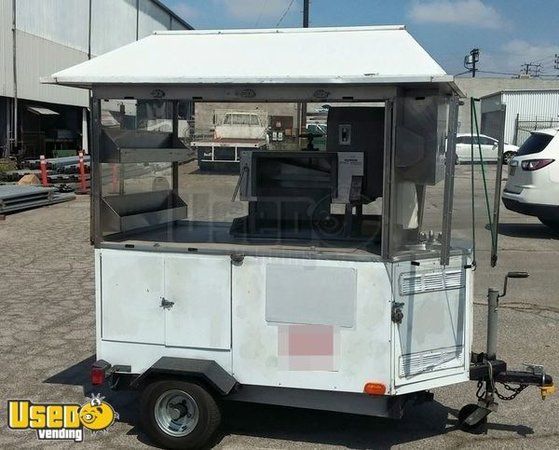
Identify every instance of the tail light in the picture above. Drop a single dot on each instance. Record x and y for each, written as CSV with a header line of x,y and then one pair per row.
x,y
97,376
99,372
535,164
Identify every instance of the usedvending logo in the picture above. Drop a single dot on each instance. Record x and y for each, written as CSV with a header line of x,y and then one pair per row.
x,y
61,421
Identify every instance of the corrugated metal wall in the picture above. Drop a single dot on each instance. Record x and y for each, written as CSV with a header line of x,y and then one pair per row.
x,y
6,55
113,24
176,25
38,57
529,105
62,21
54,34
480,87
152,18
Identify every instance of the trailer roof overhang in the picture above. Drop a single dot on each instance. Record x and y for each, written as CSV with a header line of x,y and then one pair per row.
x,y
360,57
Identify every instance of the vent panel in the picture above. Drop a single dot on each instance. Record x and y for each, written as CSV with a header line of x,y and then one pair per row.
x,y
431,361
420,282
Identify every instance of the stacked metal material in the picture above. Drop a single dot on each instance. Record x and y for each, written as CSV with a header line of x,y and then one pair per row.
x,y
16,198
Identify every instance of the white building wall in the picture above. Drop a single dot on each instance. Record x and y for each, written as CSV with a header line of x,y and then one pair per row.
x,y
176,25
38,57
65,22
54,34
152,18
527,105
113,24
6,55
480,87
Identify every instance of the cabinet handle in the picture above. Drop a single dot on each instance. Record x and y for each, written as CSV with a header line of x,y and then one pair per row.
x,y
166,304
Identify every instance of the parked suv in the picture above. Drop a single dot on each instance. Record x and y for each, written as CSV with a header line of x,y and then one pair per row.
x,y
533,183
489,148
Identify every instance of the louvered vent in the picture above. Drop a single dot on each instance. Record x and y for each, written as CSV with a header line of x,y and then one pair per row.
x,y
430,361
419,282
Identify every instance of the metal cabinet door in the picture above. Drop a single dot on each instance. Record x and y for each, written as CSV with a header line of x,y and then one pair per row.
x,y
131,291
199,287
430,340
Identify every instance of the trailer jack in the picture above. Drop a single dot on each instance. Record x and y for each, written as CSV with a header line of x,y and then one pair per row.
x,y
490,371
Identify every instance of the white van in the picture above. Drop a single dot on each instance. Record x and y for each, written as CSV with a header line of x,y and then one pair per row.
x,y
533,183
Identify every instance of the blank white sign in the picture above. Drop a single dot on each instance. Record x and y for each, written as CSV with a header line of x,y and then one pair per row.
x,y
310,294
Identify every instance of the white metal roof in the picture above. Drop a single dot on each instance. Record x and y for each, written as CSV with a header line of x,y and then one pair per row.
x,y
370,55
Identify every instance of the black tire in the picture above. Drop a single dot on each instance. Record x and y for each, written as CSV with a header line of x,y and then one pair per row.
x,y
205,410
476,428
507,156
551,223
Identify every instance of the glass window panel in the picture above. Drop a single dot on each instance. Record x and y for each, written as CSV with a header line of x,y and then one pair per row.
x,y
417,194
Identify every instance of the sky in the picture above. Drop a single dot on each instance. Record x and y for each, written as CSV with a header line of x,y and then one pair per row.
x,y
508,33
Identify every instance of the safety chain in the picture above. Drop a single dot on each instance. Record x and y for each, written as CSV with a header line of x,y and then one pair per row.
x,y
515,391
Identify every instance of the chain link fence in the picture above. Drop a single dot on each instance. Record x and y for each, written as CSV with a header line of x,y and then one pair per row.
x,y
524,126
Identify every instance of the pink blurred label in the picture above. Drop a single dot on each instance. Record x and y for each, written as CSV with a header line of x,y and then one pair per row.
x,y
307,347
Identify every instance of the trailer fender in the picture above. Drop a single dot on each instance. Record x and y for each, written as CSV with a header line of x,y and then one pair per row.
x,y
207,370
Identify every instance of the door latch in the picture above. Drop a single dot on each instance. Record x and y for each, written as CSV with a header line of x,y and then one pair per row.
x,y
397,313
166,304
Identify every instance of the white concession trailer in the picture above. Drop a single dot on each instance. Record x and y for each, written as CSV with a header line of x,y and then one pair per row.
x,y
314,279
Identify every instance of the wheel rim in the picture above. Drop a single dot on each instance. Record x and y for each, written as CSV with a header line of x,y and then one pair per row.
x,y
176,413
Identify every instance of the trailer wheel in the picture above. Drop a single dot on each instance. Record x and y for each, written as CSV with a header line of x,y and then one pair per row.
x,y
178,414
476,428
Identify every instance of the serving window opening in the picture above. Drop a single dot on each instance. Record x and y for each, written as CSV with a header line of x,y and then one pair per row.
x,y
242,177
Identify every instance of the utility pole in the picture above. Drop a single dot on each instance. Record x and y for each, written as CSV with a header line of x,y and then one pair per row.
x,y
531,69
303,106
471,60
15,112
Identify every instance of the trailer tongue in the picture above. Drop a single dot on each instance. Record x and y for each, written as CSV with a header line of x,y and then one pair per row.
x,y
317,279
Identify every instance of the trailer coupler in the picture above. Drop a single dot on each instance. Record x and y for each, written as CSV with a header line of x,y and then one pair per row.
x,y
490,372
483,369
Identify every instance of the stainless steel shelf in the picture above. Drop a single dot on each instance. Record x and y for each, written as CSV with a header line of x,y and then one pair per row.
x,y
123,213
139,146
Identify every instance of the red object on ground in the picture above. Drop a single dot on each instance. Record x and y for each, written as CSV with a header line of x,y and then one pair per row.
x,y
83,187
43,165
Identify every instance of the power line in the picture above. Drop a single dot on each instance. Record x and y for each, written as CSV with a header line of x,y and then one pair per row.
x,y
497,73
285,13
531,69
544,58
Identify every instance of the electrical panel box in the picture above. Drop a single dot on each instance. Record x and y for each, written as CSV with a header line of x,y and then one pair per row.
x,y
421,138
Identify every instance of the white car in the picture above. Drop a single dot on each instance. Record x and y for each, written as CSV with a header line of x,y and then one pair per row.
x,y
489,148
533,184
